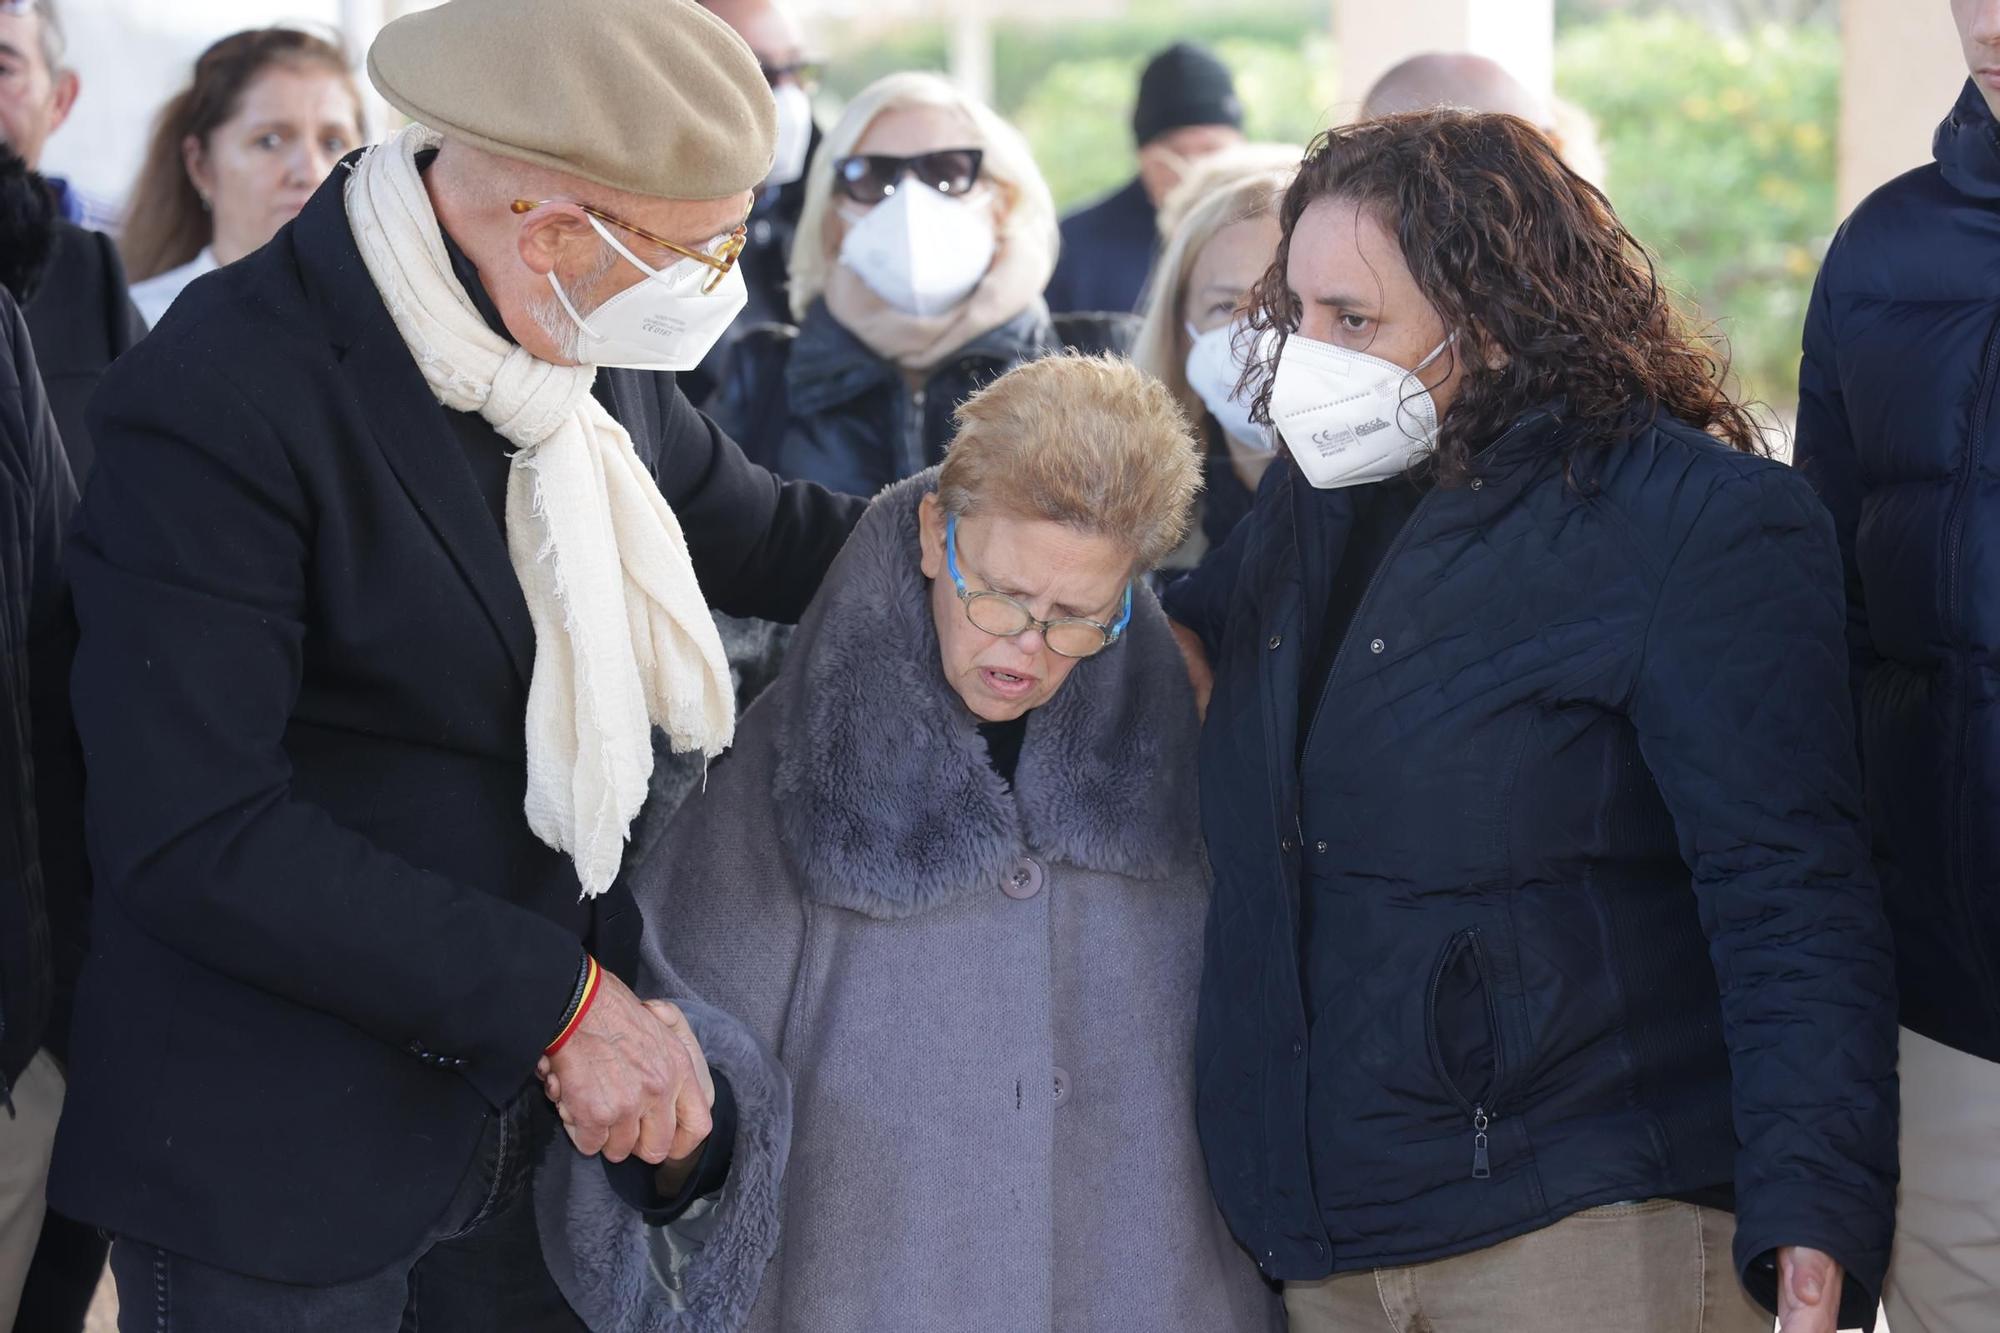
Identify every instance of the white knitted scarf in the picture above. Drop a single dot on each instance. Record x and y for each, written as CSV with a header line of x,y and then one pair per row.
x,y
623,635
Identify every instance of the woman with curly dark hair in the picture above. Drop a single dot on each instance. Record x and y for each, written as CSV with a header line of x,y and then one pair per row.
x,y
1545,960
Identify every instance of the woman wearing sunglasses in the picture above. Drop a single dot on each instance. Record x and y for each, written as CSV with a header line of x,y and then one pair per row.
x,y
926,239
951,874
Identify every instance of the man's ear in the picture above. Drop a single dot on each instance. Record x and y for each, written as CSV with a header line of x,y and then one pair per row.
x,y
930,535
67,86
545,233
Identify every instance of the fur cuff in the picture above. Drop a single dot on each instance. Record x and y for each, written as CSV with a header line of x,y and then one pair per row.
x,y
600,1251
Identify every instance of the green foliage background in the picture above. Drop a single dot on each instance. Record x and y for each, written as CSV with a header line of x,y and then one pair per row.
x,y
1718,139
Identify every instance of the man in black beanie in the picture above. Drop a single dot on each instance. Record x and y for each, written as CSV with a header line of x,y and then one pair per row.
x,y
1187,109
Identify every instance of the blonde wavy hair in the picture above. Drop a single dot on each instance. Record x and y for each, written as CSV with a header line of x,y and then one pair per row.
x,y
1233,186
1028,211
1090,442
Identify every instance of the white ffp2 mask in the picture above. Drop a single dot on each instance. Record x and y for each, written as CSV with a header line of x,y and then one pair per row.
x,y
795,127
1350,418
663,321
921,251
1214,368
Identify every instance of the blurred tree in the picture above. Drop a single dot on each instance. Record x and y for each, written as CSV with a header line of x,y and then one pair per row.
x,y
1721,158
1724,15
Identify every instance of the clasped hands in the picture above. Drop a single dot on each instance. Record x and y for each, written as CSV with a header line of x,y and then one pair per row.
x,y
632,1080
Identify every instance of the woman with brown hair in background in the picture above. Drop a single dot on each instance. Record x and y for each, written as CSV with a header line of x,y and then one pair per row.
x,y
235,155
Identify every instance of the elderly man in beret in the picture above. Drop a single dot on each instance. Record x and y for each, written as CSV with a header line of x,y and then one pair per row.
x,y
399,545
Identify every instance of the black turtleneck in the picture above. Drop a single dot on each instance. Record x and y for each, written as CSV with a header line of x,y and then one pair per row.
x,y
1003,745
486,450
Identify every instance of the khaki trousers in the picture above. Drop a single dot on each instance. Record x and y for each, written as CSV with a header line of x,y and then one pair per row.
x,y
1652,1267
27,1139
1944,1275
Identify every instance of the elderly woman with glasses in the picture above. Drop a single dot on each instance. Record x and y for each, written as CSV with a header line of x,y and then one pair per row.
x,y
925,241
951,874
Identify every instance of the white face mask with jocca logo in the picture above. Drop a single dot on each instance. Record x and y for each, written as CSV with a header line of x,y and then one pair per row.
x,y
663,321
1350,418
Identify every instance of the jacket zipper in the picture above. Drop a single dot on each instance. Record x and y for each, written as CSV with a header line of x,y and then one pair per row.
x,y
1967,485
1476,1111
1375,579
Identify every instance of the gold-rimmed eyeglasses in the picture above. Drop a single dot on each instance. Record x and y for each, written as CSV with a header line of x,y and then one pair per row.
x,y
722,260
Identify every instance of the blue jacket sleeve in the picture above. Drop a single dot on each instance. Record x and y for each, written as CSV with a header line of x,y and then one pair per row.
x,y
1825,454
1742,712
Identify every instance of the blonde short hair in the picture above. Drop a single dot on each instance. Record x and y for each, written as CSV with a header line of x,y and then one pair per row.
x,y
1087,441
1232,187
1028,212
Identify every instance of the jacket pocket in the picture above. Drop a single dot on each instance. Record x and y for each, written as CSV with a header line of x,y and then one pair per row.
x,y
1462,1026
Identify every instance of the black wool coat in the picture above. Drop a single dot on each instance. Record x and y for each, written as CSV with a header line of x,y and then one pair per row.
x,y
82,319
326,945
40,794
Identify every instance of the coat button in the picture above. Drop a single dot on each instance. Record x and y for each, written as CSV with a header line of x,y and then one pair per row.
x,y
1377,646
1477,484
1288,846
1298,1049
1061,1086
1024,881
1277,642
1320,846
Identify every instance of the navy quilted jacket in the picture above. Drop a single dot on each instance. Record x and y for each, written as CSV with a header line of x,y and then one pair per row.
x,y
1578,822
1896,415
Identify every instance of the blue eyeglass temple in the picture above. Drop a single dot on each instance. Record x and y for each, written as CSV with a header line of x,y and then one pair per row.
x,y
951,563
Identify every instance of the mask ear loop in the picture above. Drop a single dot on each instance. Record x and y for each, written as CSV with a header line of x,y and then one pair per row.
x,y
656,274
1415,373
570,310
604,234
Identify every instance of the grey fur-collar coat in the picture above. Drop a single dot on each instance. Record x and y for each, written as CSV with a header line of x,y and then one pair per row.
x,y
984,997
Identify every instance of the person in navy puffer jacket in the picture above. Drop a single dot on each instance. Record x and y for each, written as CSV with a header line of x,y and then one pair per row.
x,y
1546,964
1896,415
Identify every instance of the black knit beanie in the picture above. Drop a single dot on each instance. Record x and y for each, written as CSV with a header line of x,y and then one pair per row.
x,y
1184,85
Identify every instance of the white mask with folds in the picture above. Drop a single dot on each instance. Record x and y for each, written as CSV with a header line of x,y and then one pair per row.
x,y
921,251
1350,418
1214,368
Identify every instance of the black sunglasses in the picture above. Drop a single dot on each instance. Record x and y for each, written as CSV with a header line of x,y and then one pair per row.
x,y
871,178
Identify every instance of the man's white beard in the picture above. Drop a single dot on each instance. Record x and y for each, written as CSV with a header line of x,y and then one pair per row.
x,y
554,321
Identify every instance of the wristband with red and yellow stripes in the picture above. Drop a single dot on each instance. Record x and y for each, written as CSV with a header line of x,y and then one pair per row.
x,y
586,993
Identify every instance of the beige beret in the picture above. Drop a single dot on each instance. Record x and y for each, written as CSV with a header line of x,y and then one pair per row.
x,y
658,97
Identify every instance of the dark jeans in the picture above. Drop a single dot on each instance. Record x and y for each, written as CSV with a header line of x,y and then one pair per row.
x,y
480,1270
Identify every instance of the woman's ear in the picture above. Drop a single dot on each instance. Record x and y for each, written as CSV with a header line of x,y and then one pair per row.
x,y
930,535
195,161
